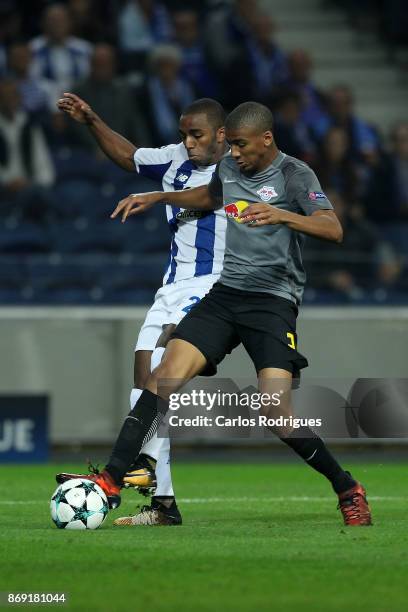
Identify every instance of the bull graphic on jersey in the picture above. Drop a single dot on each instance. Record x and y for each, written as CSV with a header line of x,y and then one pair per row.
x,y
234,209
267,192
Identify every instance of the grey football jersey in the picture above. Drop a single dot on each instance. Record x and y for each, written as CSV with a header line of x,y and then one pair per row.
x,y
267,259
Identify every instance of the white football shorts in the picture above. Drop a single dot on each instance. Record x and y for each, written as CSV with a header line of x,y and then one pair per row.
x,y
171,303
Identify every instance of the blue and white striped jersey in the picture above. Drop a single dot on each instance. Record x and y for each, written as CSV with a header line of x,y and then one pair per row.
x,y
63,65
198,238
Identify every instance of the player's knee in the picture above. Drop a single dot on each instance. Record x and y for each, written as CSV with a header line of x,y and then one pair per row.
x,y
282,432
167,370
163,382
279,418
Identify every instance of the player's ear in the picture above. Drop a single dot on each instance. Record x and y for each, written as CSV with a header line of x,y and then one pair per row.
x,y
268,138
220,134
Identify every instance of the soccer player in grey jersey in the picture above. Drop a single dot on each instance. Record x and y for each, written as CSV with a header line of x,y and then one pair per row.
x,y
256,300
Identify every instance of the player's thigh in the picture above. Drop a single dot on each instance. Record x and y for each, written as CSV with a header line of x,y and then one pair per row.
x,y
184,296
268,333
188,295
141,368
149,335
210,328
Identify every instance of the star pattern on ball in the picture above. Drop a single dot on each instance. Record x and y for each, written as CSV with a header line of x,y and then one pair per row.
x,y
88,486
82,514
60,497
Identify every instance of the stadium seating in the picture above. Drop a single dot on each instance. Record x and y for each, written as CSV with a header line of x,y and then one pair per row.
x,y
76,197
13,279
79,279
24,238
82,256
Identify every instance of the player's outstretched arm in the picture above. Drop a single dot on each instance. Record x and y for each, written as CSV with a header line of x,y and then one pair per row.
x,y
198,198
115,146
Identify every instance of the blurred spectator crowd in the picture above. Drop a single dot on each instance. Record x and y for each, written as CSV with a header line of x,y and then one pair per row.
x,y
138,63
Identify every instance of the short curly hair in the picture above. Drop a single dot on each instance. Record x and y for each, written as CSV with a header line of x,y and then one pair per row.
x,y
211,108
250,114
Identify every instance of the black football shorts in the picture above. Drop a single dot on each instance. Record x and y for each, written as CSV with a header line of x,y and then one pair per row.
x,y
264,323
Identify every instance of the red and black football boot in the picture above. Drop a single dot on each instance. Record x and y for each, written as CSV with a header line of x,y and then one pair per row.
x,y
354,507
103,479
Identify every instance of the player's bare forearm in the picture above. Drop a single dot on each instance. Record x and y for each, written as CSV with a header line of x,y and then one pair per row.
x,y
321,224
115,146
198,198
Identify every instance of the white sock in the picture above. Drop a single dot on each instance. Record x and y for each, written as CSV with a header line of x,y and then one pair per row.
x,y
157,356
163,473
159,448
153,447
134,396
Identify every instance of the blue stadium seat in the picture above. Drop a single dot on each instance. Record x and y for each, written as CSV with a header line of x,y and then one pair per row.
x,y
397,235
64,295
109,196
132,275
57,280
24,237
76,197
92,238
115,188
131,182
74,163
123,296
145,236
324,297
13,279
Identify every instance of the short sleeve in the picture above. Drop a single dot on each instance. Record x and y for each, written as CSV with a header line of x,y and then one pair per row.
x,y
154,163
215,185
304,190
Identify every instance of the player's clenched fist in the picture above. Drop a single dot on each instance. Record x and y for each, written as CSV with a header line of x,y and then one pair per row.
x,y
76,108
136,203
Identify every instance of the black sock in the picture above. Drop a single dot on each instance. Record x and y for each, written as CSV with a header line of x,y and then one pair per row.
x,y
163,500
151,461
140,425
313,450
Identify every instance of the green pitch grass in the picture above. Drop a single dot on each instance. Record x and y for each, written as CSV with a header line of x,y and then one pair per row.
x,y
255,538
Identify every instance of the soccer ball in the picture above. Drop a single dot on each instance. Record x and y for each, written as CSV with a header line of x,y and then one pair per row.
x,y
79,504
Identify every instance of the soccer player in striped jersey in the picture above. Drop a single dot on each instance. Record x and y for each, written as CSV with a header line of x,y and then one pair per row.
x,y
195,263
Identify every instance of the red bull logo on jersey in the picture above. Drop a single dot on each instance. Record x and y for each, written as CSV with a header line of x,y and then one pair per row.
x,y
234,209
267,192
